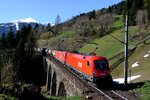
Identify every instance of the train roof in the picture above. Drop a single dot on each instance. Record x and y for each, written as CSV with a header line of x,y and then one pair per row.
x,y
83,56
88,57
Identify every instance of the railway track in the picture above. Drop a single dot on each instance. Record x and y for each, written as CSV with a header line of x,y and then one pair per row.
x,y
97,93
112,95
109,94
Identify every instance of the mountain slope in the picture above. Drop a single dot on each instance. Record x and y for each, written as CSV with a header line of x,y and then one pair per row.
x,y
109,47
17,25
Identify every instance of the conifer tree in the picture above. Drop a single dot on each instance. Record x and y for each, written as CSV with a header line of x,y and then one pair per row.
x,y
109,9
24,50
10,39
48,27
92,15
36,26
3,41
147,7
131,7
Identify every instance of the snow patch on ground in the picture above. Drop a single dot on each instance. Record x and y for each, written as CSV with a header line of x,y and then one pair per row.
x,y
145,56
121,80
135,64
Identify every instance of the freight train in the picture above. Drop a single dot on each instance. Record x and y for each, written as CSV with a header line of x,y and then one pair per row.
x,y
92,68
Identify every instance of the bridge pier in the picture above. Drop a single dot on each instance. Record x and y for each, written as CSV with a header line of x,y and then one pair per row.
x,y
48,78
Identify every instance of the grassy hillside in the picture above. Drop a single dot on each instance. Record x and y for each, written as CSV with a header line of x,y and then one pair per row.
x,y
109,47
143,68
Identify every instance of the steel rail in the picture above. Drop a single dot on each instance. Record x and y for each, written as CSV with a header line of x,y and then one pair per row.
x,y
119,95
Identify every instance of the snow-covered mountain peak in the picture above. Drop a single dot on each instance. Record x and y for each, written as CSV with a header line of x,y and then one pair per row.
x,y
26,20
17,25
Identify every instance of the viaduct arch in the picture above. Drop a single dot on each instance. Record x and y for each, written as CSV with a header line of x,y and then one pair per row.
x,y
58,82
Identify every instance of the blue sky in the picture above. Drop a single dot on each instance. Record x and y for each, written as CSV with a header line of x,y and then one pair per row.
x,y
46,10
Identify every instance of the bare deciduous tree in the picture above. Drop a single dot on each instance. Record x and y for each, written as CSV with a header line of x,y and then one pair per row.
x,y
57,27
105,21
142,18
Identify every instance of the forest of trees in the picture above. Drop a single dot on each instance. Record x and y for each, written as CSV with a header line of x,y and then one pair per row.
x,y
132,7
17,65
16,50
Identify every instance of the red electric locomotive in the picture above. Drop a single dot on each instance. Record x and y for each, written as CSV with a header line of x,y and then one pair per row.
x,y
93,68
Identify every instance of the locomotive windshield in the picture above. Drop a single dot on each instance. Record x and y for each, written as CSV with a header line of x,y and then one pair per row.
x,y
101,64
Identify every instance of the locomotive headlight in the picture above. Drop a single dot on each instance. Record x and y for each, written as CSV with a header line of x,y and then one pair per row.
x,y
94,73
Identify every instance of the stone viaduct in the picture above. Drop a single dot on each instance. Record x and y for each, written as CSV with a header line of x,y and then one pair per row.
x,y
59,81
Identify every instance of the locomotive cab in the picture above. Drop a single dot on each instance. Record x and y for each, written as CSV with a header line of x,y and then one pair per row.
x,y
102,71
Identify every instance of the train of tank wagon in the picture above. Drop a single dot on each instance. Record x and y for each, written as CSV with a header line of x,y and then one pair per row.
x,y
92,68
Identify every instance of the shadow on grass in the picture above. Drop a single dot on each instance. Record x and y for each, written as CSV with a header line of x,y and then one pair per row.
x,y
122,87
130,86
